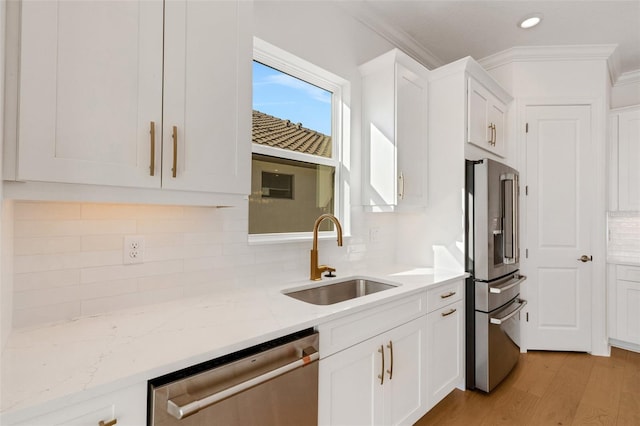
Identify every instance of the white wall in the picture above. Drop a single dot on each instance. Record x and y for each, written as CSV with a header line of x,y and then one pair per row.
x,y
68,256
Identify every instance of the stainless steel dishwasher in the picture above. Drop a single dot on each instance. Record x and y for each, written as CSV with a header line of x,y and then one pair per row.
x,y
274,383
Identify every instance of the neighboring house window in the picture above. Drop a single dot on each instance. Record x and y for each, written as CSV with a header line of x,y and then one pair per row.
x,y
296,149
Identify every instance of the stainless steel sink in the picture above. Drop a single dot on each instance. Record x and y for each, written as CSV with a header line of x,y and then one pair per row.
x,y
331,293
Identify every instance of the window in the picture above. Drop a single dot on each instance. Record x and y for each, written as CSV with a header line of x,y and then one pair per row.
x,y
296,146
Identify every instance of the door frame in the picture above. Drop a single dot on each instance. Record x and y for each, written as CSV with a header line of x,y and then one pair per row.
x,y
599,113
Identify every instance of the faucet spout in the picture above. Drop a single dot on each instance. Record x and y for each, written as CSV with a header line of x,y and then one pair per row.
x,y
317,270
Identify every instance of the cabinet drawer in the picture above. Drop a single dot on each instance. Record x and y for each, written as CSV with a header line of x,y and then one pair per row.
x,y
348,331
444,295
127,406
628,273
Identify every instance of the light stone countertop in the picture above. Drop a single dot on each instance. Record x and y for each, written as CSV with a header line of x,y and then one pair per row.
x,y
48,367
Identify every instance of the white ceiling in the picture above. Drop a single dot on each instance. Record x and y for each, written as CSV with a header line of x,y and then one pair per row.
x,y
449,30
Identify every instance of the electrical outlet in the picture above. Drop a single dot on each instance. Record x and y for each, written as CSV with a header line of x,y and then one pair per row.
x,y
133,250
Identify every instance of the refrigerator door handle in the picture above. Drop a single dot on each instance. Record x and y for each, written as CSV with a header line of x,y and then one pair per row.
x,y
501,289
510,240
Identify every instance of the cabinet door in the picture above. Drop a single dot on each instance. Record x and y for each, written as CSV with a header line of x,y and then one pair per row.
x,y
496,115
90,85
628,160
445,355
411,137
628,311
405,390
485,119
207,83
350,390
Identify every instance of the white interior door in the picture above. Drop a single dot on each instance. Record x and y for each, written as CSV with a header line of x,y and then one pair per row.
x,y
559,209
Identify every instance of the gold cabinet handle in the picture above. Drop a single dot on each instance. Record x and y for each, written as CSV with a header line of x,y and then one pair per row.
x,y
584,258
390,370
446,314
174,135
446,295
109,423
381,375
495,134
152,132
490,126
401,186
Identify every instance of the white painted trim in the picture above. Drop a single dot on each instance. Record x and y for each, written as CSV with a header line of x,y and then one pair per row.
x,y
629,77
604,52
393,35
625,345
599,336
289,63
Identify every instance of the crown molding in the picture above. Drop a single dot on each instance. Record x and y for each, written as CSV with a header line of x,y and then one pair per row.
x,y
630,77
365,15
603,52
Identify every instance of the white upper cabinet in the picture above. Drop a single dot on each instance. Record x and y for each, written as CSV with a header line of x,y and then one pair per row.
x,y
468,112
103,85
394,104
90,85
486,119
625,158
207,96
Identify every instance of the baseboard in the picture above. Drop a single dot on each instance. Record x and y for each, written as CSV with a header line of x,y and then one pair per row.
x,y
634,347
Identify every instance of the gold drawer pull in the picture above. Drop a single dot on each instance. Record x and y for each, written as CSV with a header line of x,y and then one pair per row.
x,y
444,296
109,423
446,314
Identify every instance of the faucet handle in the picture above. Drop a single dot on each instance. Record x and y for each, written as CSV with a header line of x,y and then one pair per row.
x,y
330,274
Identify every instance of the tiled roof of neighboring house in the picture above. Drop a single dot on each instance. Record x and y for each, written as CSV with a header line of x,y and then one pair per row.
x,y
276,132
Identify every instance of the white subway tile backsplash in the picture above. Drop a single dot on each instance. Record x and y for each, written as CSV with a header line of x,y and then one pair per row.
x,y
46,279
35,245
624,236
30,210
117,272
68,256
43,314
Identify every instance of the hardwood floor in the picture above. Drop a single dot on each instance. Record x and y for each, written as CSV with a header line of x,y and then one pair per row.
x,y
552,388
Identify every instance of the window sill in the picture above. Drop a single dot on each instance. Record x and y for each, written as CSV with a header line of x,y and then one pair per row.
x,y
294,237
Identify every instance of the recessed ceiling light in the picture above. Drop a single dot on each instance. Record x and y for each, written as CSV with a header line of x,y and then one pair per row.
x,y
530,21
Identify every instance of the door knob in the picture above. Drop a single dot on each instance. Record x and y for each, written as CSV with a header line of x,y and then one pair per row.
x,y
585,258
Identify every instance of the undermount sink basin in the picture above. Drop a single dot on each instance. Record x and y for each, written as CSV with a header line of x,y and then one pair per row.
x,y
335,292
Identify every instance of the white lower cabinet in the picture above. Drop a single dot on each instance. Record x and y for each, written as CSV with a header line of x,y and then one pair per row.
x,y
379,381
445,351
128,407
625,294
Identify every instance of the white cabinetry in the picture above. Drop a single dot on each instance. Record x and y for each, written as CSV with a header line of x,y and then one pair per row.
x,y
394,105
127,406
468,107
485,119
375,378
142,94
445,341
625,157
624,293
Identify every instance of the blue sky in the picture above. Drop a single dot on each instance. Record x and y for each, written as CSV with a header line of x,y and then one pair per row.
x,y
289,98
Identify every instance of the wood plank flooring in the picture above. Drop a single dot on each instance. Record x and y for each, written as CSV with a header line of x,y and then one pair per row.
x,y
552,388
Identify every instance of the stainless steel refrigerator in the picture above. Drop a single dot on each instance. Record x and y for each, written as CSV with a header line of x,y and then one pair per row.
x,y
493,259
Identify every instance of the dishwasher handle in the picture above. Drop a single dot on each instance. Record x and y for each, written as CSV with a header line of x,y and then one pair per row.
x,y
180,412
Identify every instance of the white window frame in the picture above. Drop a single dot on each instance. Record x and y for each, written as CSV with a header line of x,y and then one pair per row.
x,y
286,62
